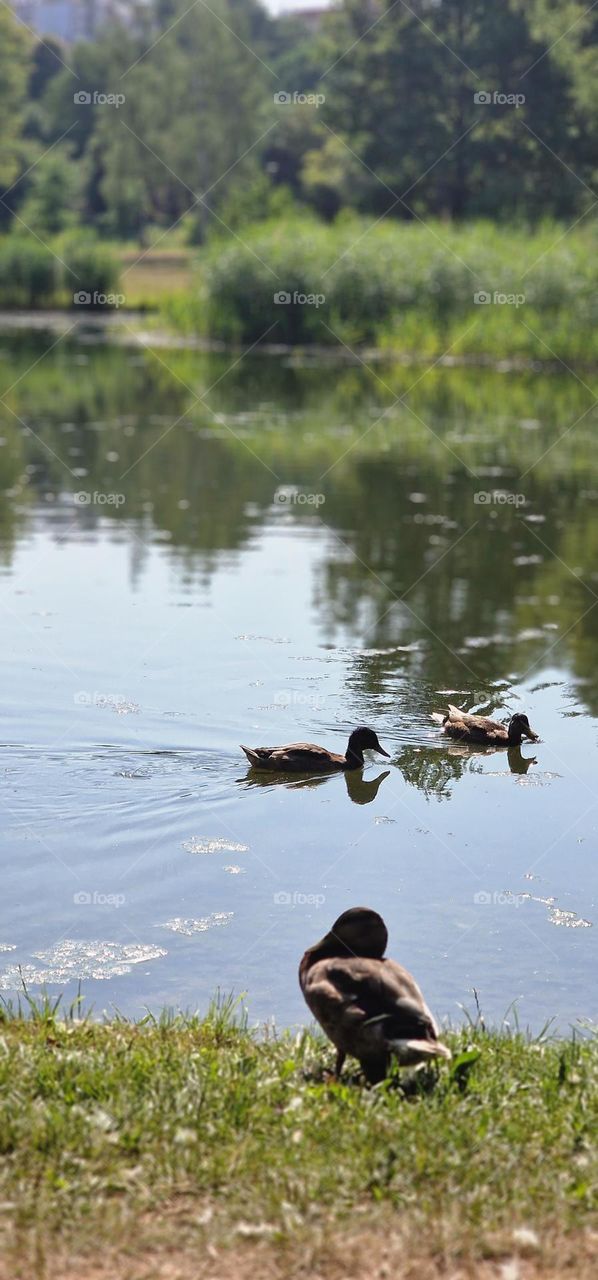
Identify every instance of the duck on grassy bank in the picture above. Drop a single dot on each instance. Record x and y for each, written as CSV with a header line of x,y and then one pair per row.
x,y
368,1005
469,728
305,757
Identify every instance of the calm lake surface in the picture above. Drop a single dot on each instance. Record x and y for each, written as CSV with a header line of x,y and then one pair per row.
x,y
270,549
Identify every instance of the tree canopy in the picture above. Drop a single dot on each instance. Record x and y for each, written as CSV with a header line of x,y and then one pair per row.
x,y
194,118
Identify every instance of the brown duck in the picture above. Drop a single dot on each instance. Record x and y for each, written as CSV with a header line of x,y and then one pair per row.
x,y
368,1005
305,757
469,728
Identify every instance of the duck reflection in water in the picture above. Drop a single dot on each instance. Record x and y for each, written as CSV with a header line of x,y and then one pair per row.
x,y
359,789
363,790
518,763
435,773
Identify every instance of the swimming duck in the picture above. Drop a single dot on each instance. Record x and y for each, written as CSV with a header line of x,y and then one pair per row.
x,y
459,724
368,1006
304,757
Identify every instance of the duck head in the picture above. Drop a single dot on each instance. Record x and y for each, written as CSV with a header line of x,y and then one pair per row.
x,y
358,932
364,739
519,727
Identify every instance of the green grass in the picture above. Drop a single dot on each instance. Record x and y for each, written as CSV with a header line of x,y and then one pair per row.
x,y
405,286
106,1121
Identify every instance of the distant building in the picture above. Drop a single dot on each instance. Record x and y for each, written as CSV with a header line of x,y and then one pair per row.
x,y
67,20
72,20
310,15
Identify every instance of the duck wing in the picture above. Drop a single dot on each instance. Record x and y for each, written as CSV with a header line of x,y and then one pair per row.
x,y
455,716
297,757
461,724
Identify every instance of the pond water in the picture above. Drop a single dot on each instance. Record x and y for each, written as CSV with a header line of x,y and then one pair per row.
x,y
199,550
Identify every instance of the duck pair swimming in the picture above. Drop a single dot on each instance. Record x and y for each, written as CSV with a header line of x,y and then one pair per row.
x,y
306,757
369,1006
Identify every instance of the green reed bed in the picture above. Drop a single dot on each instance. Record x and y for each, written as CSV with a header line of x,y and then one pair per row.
x,y
118,1118
36,274
407,286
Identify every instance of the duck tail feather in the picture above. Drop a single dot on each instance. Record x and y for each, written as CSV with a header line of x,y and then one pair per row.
x,y
410,1049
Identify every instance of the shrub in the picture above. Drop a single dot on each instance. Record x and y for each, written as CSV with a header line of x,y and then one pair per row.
x,y
34,275
29,274
92,266
404,285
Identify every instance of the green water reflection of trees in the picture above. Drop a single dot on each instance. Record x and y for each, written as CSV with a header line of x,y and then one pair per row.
x,y
409,558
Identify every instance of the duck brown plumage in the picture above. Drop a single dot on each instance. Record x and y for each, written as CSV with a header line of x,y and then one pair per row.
x,y
305,757
469,728
368,1005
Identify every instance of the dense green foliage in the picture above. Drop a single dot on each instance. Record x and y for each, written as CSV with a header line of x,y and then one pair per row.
x,y
224,127
191,134
406,286
33,274
206,1108
13,83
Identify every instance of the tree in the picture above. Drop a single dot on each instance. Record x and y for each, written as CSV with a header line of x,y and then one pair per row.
x,y
170,152
46,62
14,55
402,99
53,200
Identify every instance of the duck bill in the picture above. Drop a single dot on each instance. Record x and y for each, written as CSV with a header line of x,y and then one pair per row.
x,y
383,752
531,735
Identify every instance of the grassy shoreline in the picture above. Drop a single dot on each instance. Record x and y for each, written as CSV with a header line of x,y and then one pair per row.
x,y
198,1134
477,292
474,290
